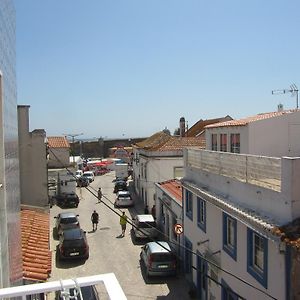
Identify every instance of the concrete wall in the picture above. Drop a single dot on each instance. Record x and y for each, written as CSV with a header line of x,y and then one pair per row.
x,y
33,162
59,158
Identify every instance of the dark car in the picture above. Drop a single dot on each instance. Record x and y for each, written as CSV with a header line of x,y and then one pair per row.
x,y
120,185
73,244
83,181
88,293
67,200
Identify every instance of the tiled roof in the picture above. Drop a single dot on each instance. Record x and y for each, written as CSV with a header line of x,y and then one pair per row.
x,y
245,121
154,141
163,142
35,245
58,142
198,127
173,187
290,233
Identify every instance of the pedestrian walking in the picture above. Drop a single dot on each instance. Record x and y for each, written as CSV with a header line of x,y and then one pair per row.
x,y
95,220
146,210
153,211
99,195
123,222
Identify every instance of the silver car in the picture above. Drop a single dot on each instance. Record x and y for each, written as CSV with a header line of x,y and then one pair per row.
x,y
159,259
66,220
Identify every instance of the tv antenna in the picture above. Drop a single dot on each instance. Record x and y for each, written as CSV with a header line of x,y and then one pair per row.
x,y
293,90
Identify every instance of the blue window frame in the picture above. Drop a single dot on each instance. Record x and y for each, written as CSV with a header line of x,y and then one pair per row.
x,y
201,213
189,204
257,257
227,292
188,256
229,235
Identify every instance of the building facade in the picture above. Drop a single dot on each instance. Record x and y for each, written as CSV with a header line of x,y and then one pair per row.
x,y
59,152
33,162
236,211
10,232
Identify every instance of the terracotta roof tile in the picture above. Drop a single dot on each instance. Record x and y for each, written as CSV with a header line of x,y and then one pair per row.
x,y
58,142
173,187
198,127
35,245
245,121
161,141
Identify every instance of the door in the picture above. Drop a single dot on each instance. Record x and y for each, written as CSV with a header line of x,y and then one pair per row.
x,y
201,278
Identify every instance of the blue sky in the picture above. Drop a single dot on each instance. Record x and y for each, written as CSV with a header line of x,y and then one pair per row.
x,y
130,68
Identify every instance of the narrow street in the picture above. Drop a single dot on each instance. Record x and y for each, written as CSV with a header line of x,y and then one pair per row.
x,y
111,254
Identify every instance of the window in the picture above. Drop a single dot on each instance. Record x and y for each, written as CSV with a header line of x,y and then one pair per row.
x,y
257,256
229,235
201,214
227,292
178,172
235,143
188,256
223,142
214,142
189,204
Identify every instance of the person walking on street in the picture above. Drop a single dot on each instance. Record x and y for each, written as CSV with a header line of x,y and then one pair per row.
x,y
99,195
146,210
123,222
153,211
95,220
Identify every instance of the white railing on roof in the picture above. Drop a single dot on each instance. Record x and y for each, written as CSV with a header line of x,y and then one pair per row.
x,y
258,170
109,280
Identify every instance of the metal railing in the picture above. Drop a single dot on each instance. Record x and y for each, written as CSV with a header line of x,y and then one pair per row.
x,y
258,170
109,280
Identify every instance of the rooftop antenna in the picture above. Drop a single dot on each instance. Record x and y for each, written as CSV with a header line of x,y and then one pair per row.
x,y
293,90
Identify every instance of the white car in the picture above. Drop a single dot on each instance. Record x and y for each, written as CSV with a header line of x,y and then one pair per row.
x,y
78,174
90,175
123,199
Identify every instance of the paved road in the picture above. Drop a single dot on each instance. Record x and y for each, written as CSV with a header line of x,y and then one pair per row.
x,y
109,253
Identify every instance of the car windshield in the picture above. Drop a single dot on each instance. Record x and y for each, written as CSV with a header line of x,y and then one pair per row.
x,y
85,174
68,220
124,196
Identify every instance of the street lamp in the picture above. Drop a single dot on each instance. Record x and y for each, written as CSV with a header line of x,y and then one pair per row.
x,y
73,135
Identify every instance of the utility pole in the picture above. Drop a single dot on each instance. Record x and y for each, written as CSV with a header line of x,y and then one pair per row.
x,y
293,90
73,135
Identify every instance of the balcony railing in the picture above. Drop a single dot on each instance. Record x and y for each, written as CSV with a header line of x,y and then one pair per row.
x,y
111,285
258,170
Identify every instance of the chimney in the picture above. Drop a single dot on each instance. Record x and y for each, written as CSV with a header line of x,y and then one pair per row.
x,y
280,107
182,127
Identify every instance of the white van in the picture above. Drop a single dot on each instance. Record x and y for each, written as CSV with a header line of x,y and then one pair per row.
x,y
144,226
89,175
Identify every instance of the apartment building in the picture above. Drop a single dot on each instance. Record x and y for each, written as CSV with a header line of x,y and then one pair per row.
x,y
10,232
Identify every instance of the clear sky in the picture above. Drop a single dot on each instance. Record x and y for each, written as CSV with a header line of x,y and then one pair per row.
x,y
130,68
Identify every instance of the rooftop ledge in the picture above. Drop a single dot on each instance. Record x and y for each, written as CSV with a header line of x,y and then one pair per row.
x,y
109,280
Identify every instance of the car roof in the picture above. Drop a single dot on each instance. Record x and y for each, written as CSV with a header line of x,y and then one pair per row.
x,y
88,173
159,246
73,234
67,215
145,218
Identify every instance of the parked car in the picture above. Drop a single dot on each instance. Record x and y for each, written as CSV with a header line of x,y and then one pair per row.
x,y
67,200
83,181
123,199
88,293
66,220
78,174
158,258
73,244
144,226
90,175
120,185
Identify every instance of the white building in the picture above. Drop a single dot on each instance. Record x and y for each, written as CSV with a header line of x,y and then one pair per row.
x,y
158,158
168,211
235,206
270,134
59,152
